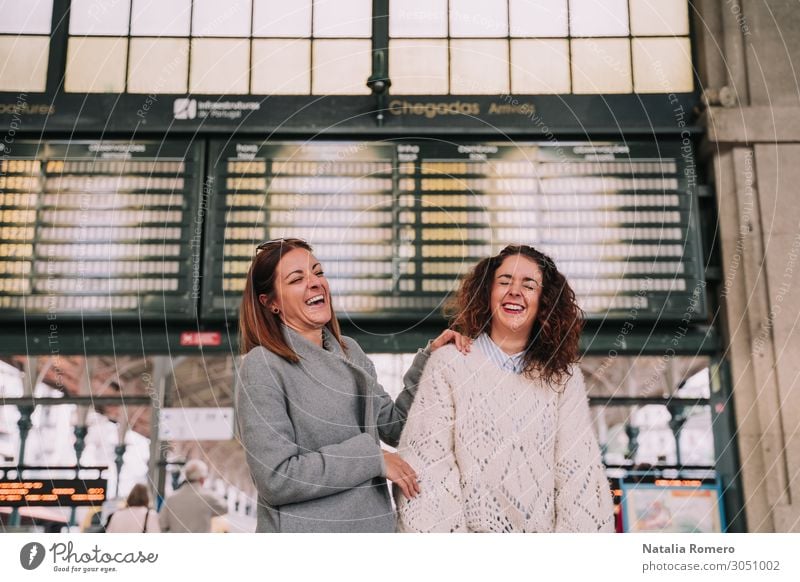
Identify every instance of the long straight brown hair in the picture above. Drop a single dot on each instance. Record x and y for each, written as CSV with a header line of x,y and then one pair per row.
x,y
258,326
139,496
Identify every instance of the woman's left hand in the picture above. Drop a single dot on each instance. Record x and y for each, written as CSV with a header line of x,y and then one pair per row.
x,y
463,343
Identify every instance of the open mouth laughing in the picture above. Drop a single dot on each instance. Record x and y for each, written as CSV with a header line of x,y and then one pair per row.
x,y
512,308
316,301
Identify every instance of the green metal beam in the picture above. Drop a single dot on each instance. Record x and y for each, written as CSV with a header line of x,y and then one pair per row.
x,y
103,338
80,400
726,446
644,400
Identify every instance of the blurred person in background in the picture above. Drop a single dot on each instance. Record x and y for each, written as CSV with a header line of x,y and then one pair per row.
x,y
136,516
191,507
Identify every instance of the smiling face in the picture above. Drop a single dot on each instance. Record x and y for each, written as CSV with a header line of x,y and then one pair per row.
x,y
302,295
514,299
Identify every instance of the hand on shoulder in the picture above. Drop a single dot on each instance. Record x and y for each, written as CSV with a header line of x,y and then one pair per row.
x,y
447,356
449,336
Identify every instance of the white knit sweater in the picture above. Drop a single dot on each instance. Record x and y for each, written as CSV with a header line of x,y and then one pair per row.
x,y
496,452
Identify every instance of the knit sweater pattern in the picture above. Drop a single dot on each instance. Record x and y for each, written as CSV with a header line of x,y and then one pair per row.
x,y
498,452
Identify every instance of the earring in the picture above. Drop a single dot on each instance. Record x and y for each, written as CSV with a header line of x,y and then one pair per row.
x,y
275,310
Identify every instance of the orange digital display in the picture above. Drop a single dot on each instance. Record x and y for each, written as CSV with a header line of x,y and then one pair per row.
x,y
52,492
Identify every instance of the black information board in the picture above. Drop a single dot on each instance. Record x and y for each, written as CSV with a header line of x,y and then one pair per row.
x,y
397,224
225,115
52,492
91,229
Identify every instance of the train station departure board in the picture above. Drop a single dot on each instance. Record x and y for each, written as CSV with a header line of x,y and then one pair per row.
x,y
397,224
98,228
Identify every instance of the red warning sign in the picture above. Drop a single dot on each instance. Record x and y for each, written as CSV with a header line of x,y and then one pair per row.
x,y
201,338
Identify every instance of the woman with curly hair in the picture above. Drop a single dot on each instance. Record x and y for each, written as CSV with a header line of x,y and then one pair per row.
x,y
501,438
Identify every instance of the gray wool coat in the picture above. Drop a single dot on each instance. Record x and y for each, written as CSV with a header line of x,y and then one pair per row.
x,y
311,434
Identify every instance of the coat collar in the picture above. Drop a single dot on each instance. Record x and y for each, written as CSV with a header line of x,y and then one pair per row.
x,y
317,362
309,351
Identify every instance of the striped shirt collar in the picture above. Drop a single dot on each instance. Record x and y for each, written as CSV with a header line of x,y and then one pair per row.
x,y
513,363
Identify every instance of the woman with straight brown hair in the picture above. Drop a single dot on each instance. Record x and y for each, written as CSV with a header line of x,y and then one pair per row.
x,y
502,438
136,516
310,411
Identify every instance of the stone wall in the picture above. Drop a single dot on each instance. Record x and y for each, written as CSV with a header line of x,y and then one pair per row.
x,y
748,57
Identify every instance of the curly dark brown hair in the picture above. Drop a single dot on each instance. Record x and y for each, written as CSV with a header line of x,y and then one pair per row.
x,y
553,343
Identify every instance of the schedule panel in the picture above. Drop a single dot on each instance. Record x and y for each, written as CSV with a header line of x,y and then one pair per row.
x,y
100,228
397,225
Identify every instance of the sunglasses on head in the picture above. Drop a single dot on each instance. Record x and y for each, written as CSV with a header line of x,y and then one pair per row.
x,y
273,241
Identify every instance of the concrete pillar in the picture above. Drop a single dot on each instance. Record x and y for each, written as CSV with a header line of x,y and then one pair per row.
x,y
753,155
156,384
